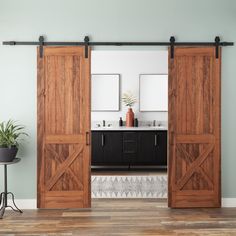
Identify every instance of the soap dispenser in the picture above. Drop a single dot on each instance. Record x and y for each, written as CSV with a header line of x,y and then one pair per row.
x,y
120,122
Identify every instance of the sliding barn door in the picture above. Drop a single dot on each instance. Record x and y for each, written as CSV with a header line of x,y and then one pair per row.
x,y
63,128
194,128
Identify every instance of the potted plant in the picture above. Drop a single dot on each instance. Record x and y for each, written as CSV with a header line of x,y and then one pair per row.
x,y
10,134
129,100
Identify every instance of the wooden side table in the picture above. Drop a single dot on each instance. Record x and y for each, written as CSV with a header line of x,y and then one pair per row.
x,y
4,195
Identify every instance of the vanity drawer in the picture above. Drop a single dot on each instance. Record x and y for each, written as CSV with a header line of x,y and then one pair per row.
x,y
129,136
130,146
129,142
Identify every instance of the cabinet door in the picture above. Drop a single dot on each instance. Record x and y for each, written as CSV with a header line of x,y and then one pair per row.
x,y
113,148
147,148
97,148
152,148
161,145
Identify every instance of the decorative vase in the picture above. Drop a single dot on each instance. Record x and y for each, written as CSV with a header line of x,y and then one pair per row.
x,y
8,154
130,118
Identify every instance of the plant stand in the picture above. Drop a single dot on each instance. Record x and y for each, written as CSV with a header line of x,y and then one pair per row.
x,y
4,195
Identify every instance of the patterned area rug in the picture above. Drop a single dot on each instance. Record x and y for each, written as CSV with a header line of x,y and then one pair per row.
x,y
129,186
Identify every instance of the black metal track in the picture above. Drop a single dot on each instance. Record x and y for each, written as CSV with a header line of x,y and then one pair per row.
x,y
15,43
172,43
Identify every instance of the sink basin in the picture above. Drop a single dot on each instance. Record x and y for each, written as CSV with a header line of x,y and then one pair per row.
x,y
124,128
107,127
156,127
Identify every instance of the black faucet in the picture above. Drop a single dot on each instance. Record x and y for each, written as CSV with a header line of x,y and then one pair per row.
x,y
103,123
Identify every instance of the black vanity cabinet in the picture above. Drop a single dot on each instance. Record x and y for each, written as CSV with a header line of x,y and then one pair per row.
x,y
129,148
107,148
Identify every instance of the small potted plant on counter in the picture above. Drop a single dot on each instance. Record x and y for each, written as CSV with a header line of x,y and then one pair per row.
x,y
129,100
10,134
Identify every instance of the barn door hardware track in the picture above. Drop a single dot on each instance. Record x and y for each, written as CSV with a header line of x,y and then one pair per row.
x,y
86,43
172,45
41,43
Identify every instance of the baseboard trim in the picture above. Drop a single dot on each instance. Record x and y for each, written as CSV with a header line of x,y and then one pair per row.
x,y
32,203
228,202
26,203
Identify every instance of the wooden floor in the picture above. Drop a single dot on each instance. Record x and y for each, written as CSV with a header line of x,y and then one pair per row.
x,y
121,217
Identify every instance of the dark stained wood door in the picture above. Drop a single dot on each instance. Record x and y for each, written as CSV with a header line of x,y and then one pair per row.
x,y
194,128
63,128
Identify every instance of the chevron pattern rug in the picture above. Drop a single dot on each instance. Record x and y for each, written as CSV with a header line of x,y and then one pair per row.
x,y
129,186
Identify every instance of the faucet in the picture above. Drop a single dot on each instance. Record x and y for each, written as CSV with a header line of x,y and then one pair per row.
x,y
154,123
103,123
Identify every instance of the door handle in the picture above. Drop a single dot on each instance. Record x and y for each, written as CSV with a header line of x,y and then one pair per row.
x,y
155,140
103,140
87,138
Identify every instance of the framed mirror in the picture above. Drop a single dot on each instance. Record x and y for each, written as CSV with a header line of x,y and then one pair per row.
x,y
105,89
153,92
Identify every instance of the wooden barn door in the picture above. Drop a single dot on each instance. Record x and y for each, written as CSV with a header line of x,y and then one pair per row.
x,y
63,128
194,128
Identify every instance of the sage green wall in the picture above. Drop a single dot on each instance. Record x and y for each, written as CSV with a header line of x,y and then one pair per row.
x,y
110,20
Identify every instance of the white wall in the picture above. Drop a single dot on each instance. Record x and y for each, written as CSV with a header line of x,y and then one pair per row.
x,y
129,64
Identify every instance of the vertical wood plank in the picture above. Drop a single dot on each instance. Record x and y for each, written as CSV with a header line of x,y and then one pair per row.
x,y
40,130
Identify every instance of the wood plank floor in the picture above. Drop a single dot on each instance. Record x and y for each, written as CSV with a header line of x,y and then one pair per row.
x,y
121,217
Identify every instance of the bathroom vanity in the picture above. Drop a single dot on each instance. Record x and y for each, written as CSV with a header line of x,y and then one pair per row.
x,y
135,146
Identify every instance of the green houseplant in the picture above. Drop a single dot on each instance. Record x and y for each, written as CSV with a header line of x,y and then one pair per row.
x,y
10,134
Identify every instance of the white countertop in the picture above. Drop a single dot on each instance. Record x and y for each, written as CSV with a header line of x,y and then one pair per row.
x,y
124,128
